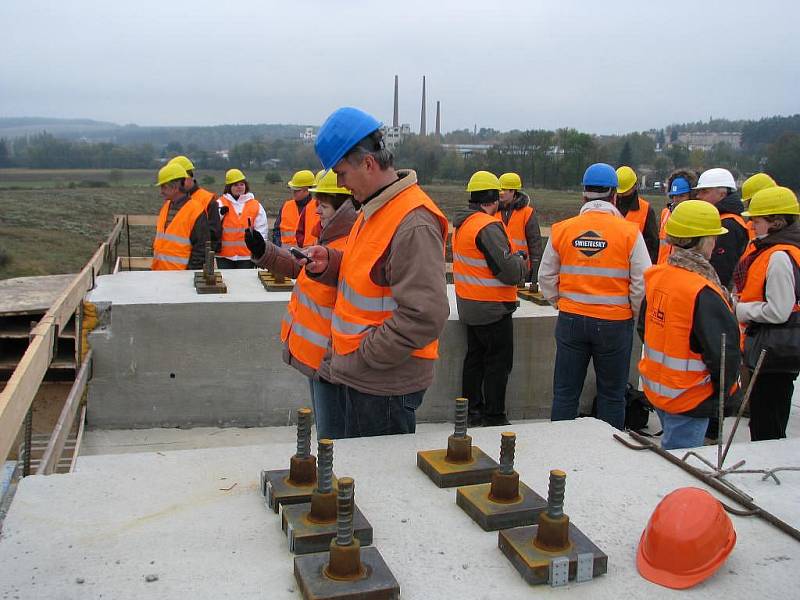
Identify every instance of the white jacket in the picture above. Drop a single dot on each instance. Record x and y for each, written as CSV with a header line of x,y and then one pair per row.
x,y
238,205
550,266
779,294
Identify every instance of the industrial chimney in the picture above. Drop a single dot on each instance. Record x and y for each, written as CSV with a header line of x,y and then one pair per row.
x,y
438,120
423,128
396,119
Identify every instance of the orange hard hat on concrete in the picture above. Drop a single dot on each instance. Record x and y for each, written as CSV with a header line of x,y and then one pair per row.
x,y
687,538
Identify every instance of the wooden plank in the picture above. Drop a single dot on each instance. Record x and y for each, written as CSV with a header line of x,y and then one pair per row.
x,y
142,220
135,262
17,396
64,424
66,304
119,223
78,440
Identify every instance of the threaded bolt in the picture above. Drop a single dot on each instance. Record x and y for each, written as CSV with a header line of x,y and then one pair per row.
x,y
303,433
325,466
555,494
462,405
508,441
344,512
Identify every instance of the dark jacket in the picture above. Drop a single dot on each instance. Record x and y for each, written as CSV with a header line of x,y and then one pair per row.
x,y
712,318
509,268
650,233
729,247
533,234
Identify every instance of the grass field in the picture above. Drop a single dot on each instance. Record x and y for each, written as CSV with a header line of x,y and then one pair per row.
x,y
51,221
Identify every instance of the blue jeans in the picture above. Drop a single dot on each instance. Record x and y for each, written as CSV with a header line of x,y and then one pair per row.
x,y
608,344
329,414
368,415
681,431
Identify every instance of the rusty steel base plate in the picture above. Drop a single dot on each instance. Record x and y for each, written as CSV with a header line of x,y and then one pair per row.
x,y
277,490
451,474
270,284
306,536
378,581
534,564
535,297
218,287
491,516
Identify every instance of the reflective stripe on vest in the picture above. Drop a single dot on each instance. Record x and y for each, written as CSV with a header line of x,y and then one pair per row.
x,y
472,276
290,217
360,303
639,217
517,222
306,326
172,245
310,221
594,252
675,378
234,225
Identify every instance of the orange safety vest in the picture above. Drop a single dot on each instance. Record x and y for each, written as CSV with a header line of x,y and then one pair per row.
x,y
756,280
517,222
594,279
751,233
172,246
639,217
290,219
664,247
675,378
233,227
307,322
473,278
362,305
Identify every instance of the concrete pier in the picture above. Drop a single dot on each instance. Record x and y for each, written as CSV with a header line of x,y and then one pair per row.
x,y
166,356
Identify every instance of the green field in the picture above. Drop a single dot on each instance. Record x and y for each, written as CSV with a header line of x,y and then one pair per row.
x,y
51,221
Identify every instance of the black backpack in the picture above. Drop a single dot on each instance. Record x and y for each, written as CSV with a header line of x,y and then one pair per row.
x,y
637,409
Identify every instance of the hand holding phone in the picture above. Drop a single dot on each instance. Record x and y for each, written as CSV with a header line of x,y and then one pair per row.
x,y
299,255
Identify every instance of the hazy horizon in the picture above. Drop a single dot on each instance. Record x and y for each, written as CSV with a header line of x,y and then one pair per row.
x,y
609,68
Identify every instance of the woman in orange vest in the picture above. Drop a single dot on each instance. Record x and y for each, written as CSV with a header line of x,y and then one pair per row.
x,y
306,327
683,316
519,215
486,272
239,210
769,304
182,228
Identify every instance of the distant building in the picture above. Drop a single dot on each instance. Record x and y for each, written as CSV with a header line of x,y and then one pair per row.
x,y
468,149
309,136
395,134
706,140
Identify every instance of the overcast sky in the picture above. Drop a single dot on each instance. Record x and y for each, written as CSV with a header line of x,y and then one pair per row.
x,y
600,66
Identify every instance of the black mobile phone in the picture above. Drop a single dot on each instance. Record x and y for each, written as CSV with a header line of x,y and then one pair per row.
x,y
298,254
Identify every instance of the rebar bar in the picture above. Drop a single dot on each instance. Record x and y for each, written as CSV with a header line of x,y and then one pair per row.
x,y
555,494
743,406
508,441
462,405
344,512
721,407
26,462
303,432
325,466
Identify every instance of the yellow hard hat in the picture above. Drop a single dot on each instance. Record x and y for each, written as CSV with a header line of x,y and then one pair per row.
x,y
327,184
234,176
318,177
627,179
756,183
182,161
302,179
510,181
170,172
694,218
483,180
773,201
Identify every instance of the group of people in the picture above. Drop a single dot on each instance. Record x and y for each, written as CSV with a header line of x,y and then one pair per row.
x,y
367,247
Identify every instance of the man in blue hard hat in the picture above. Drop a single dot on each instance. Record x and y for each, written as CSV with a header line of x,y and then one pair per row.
x,y
391,303
592,270
679,188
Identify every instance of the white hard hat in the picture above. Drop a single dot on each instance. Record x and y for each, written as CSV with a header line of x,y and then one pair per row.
x,y
716,178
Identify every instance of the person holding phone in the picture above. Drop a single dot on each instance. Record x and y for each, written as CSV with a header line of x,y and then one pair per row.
x,y
306,327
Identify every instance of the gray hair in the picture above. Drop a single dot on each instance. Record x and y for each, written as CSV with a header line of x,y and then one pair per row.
x,y
372,145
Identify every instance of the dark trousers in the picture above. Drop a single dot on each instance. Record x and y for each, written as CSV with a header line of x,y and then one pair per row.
x,y
367,414
487,365
608,344
770,403
227,263
329,409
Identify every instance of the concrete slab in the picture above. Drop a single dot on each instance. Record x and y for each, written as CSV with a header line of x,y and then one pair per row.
x,y
196,521
168,357
25,295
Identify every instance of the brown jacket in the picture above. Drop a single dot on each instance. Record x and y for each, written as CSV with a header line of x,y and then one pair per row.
x,y
413,266
278,260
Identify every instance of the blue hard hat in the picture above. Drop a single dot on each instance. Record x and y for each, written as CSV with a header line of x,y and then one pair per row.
x,y
340,132
680,186
600,175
